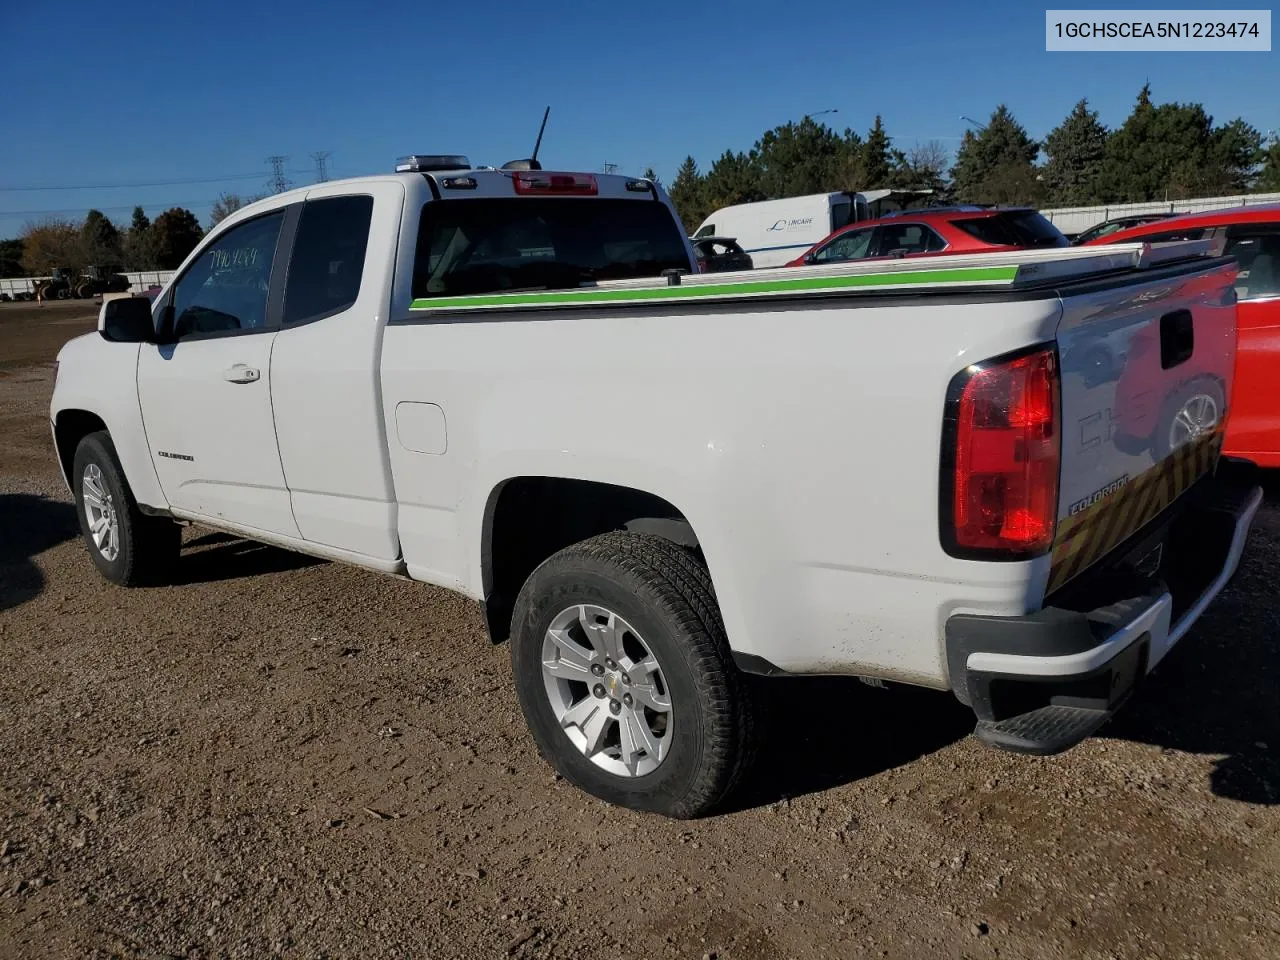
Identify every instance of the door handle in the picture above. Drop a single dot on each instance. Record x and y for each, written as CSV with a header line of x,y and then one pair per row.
x,y
240,373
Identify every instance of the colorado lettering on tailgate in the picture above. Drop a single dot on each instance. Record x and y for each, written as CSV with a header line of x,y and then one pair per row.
x,y
1097,495
1104,519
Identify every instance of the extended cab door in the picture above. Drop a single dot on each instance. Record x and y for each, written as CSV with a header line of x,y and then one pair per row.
x,y
206,398
326,385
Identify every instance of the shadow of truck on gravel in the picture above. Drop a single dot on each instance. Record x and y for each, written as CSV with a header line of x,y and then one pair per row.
x,y
1214,694
215,556
1217,691
817,733
29,525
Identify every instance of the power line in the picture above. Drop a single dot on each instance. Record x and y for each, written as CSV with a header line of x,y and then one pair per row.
x,y
127,206
133,185
278,183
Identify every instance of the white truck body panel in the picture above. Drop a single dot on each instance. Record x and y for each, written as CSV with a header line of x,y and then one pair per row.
x,y
799,437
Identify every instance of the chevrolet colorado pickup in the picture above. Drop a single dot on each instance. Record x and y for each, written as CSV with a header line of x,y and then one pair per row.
x,y
513,383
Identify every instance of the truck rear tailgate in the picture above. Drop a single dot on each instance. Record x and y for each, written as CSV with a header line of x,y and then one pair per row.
x,y
1146,374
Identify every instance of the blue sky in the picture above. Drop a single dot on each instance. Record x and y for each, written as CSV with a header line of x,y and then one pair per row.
x,y
145,92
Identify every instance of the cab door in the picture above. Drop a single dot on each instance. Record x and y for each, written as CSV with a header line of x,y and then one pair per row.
x,y
206,396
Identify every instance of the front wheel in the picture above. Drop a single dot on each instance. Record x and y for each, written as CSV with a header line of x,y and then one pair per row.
x,y
625,677
127,546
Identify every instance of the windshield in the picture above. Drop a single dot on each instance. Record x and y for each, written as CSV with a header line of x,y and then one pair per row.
x,y
536,243
1021,228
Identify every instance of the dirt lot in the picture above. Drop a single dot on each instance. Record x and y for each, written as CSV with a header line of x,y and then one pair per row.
x,y
278,757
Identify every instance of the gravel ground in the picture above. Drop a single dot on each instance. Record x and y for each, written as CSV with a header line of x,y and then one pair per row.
x,y
277,757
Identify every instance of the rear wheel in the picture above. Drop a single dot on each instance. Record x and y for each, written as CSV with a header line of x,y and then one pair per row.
x,y
625,678
127,546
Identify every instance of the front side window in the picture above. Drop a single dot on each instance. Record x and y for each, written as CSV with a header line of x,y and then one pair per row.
x,y
539,243
226,288
853,245
1256,248
328,258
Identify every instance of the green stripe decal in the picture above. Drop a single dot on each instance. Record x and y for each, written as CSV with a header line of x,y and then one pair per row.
x,y
960,275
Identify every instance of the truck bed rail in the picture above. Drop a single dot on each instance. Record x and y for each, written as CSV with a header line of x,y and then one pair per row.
x,y
1019,269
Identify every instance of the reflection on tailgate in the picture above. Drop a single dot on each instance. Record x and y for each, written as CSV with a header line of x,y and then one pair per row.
x,y
1098,524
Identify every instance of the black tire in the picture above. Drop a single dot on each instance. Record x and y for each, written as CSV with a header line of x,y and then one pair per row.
x,y
662,590
1160,442
148,546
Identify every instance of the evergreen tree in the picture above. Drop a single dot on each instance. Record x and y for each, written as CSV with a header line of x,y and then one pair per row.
x,y
734,178
175,233
1076,149
998,164
1269,176
1173,151
850,168
795,159
138,245
878,157
99,239
687,195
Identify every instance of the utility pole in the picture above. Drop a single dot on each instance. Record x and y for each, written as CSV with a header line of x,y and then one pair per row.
x,y
609,167
322,165
278,182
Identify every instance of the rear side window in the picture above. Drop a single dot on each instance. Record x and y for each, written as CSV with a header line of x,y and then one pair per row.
x,y
1017,228
1256,248
911,237
328,258
1192,233
538,243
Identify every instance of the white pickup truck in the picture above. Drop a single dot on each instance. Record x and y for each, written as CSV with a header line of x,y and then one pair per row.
x,y
998,475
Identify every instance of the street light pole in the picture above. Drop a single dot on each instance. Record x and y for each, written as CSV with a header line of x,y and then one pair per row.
x,y
981,126
810,116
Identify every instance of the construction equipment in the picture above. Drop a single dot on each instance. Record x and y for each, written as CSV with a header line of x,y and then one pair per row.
x,y
65,284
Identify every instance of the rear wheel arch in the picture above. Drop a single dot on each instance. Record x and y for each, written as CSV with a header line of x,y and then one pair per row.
x,y
530,518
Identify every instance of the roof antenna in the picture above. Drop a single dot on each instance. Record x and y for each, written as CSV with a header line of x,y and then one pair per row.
x,y
532,162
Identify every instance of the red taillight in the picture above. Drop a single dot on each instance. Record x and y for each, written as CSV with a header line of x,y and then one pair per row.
x,y
555,184
1007,452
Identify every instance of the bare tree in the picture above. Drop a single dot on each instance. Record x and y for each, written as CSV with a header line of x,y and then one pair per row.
x,y
227,204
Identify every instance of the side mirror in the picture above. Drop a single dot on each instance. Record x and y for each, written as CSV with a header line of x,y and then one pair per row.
x,y
127,320
809,258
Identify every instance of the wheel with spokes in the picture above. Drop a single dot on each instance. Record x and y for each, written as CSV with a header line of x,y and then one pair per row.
x,y
127,546
625,676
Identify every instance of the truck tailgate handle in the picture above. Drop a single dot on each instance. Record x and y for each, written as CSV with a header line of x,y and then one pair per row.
x,y
1177,338
240,373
